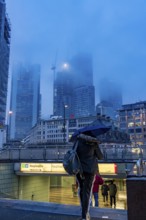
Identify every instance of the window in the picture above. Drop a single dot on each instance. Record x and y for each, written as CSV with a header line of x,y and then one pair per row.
x,y
131,130
138,130
130,124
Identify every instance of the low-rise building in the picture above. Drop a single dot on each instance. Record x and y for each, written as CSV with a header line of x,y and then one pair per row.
x,y
56,130
60,130
132,119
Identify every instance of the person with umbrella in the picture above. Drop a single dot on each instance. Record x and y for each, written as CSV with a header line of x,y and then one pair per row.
x,y
88,152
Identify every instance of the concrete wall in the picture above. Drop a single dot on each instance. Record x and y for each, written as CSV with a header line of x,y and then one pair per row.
x,y
34,188
55,181
8,181
62,181
67,181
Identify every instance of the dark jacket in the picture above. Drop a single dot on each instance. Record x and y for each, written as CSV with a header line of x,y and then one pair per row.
x,y
112,189
104,189
98,181
87,153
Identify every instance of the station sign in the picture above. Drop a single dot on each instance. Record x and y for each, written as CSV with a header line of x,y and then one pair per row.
x,y
57,168
42,167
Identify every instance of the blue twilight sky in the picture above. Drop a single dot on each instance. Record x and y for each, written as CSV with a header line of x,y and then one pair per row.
x,y
114,31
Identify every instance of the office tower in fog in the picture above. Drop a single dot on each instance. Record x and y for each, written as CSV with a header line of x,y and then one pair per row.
x,y
110,96
74,88
84,91
4,59
63,92
25,100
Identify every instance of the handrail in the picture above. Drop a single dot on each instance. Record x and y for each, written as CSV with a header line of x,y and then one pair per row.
x,y
57,153
139,165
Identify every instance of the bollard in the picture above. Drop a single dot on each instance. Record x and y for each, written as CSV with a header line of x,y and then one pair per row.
x,y
136,193
136,197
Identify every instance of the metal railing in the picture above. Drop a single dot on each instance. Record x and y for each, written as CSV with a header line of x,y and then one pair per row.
x,y
56,153
33,187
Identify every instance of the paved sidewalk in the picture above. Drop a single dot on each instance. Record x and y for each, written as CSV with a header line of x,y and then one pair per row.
x,y
28,210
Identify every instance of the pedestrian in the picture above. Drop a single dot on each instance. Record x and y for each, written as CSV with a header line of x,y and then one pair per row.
x,y
97,181
87,151
104,192
112,192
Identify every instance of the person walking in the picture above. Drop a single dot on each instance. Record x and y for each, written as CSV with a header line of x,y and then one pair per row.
x,y
112,192
87,151
104,191
97,181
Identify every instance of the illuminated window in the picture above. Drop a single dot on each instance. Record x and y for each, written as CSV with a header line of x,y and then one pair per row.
x,y
138,124
130,124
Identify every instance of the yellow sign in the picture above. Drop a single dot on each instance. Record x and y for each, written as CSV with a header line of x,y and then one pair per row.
x,y
59,169
42,167
107,168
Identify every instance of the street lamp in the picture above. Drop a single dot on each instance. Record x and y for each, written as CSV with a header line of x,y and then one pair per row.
x,y
64,122
8,122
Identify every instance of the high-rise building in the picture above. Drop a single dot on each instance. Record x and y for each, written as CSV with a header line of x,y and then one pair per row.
x,y
63,93
105,108
74,88
84,101
110,92
82,70
25,100
4,59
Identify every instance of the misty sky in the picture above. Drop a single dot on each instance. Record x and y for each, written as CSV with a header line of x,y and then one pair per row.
x,y
112,30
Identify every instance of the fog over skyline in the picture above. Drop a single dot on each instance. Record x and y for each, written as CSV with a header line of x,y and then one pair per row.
x,y
112,31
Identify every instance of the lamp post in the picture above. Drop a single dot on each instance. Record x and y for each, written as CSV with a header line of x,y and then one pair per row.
x,y
64,122
8,129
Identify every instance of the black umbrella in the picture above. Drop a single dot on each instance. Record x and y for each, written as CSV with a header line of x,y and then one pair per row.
x,y
93,130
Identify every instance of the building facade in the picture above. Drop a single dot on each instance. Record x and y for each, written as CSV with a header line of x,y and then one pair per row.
x,y
25,100
63,93
74,88
51,131
84,101
5,31
105,108
132,119
110,96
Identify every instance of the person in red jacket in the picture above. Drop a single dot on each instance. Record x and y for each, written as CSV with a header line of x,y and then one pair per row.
x,y
97,181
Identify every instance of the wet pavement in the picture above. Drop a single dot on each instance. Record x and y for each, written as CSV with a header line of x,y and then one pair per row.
x,y
28,210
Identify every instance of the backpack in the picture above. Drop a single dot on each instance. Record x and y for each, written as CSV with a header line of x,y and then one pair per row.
x,y
71,161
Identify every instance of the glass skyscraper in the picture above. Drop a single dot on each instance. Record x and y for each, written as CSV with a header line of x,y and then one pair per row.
x,y
4,59
25,100
110,97
74,88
